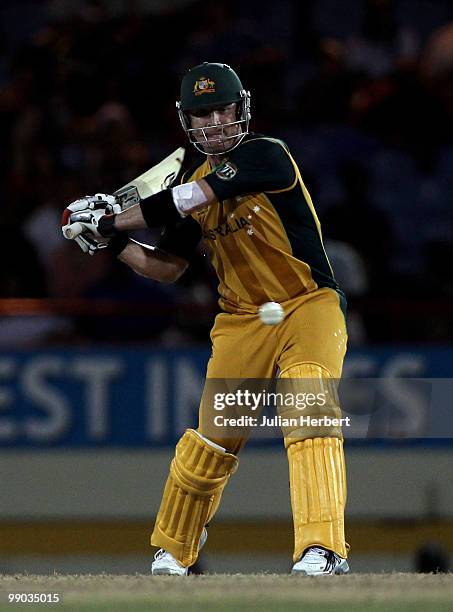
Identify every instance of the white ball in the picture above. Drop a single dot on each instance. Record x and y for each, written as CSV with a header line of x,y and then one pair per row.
x,y
271,313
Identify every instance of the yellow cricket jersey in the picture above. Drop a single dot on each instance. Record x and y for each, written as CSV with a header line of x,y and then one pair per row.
x,y
262,234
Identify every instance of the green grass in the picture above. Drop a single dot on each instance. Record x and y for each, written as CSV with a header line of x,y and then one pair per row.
x,y
237,593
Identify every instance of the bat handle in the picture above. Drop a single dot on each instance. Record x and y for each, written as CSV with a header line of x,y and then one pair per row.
x,y
72,231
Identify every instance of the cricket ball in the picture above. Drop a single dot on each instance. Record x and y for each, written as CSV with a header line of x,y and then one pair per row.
x,y
271,313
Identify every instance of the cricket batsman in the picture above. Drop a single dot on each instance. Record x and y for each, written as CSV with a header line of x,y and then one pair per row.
x,y
246,199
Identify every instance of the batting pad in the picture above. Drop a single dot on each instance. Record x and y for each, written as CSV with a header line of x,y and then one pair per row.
x,y
317,381
198,474
317,479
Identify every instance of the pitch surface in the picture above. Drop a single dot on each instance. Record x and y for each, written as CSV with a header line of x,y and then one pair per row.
x,y
240,592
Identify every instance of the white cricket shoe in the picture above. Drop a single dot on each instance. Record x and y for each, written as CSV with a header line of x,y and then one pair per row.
x,y
165,564
317,561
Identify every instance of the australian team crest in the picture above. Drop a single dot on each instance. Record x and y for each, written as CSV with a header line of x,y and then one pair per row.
x,y
226,171
203,86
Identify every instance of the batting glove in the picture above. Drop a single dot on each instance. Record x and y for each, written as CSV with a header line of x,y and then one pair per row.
x,y
89,244
86,216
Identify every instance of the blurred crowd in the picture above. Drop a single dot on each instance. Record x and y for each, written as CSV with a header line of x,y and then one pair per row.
x,y
361,90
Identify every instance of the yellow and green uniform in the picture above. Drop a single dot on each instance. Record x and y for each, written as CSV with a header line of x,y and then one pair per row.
x,y
265,243
263,235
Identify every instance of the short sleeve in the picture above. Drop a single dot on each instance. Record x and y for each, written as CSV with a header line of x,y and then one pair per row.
x,y
181,238
256,165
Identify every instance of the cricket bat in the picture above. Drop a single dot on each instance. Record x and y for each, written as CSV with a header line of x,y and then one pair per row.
x,y
152,181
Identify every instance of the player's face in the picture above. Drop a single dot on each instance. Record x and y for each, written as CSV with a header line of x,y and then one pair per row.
x,y
211,131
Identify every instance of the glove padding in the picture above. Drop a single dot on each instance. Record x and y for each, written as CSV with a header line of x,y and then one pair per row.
x,y
80,221
89,244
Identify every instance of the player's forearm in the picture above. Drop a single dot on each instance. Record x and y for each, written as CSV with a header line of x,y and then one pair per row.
x,y
164,207
172,205
153,263
130,219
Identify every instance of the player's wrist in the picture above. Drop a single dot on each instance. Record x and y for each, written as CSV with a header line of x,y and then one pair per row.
x,y
106,226
118,243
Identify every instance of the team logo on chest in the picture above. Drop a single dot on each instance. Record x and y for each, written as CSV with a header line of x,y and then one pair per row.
x,y
226,171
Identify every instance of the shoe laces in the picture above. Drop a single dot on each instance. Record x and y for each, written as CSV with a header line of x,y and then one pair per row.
x,y
315,552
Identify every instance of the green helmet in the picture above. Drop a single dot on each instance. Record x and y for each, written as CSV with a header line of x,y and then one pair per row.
x,y
209,85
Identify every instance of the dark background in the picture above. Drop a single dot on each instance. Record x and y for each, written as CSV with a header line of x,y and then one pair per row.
x,y
361,90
